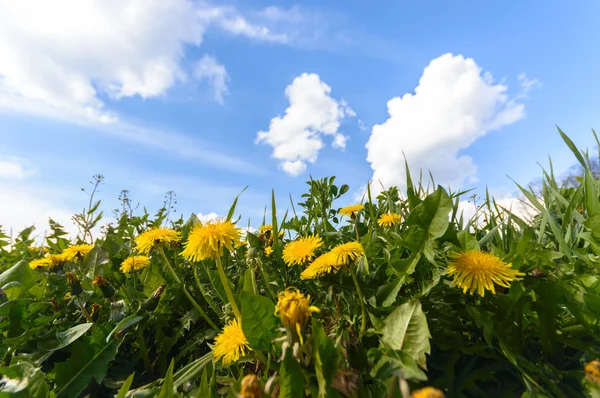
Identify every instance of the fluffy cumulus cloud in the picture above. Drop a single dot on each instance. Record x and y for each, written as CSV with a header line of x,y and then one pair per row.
x,y
297,136
14,168
67,58
453,105
208,68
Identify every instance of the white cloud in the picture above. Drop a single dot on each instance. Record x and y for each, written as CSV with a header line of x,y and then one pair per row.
x,y
63,58
207,218
296,137
209,68
453,105
14,168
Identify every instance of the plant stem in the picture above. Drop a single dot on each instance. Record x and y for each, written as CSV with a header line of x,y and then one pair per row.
x,y
267,282
185,291
205,294
253,278
363,321
83,310
227,288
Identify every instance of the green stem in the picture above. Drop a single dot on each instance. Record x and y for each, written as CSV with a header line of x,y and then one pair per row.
x,y
185,291
227,288
83,310
267,282
253,278
206,295
363,321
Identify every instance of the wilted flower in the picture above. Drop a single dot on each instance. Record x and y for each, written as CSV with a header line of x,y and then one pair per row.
x,y
475,270
134,263
301,250
428,392
155,236
117,311
74,283
104,285
230,344
251,387
592,371
388,219
208,240
351,211
294,309
76,252
151,302
95,312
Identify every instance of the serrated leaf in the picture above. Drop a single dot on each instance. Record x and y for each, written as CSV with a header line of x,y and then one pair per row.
x,y
406,330
89,360
258,320
70,335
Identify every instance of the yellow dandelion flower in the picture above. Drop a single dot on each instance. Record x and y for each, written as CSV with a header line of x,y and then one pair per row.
x,y
322,265
230,344
428,392
208,240
268,250
592,371
351,211
294,309
388,219
475,270
134,263
251,387
76,252
67,296
265,228
346,253
301,250
44,262
155,236
57,260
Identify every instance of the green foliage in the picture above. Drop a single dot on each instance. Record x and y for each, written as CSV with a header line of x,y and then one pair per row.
x,y
389,323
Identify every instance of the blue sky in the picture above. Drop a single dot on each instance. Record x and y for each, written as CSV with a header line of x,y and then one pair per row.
x,y
161,95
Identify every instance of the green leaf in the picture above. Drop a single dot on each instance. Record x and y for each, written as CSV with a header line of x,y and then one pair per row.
x,y
124,324
232,209
95,258
387,294
291,379
432,213
191,370
125,387
152,279
167,387
89,360
20,272
258,320
325,357
248,281
23,380
591,195
70,335
274,224
573,148
406,330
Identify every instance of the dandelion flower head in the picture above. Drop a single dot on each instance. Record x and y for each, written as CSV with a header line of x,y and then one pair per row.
x,y
134,263
592,371
388,219
478,271
294,309
322,265
208,240
230,344
44,262
76,252
428,392
352,210
148,240
268,250
346,253
301,250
